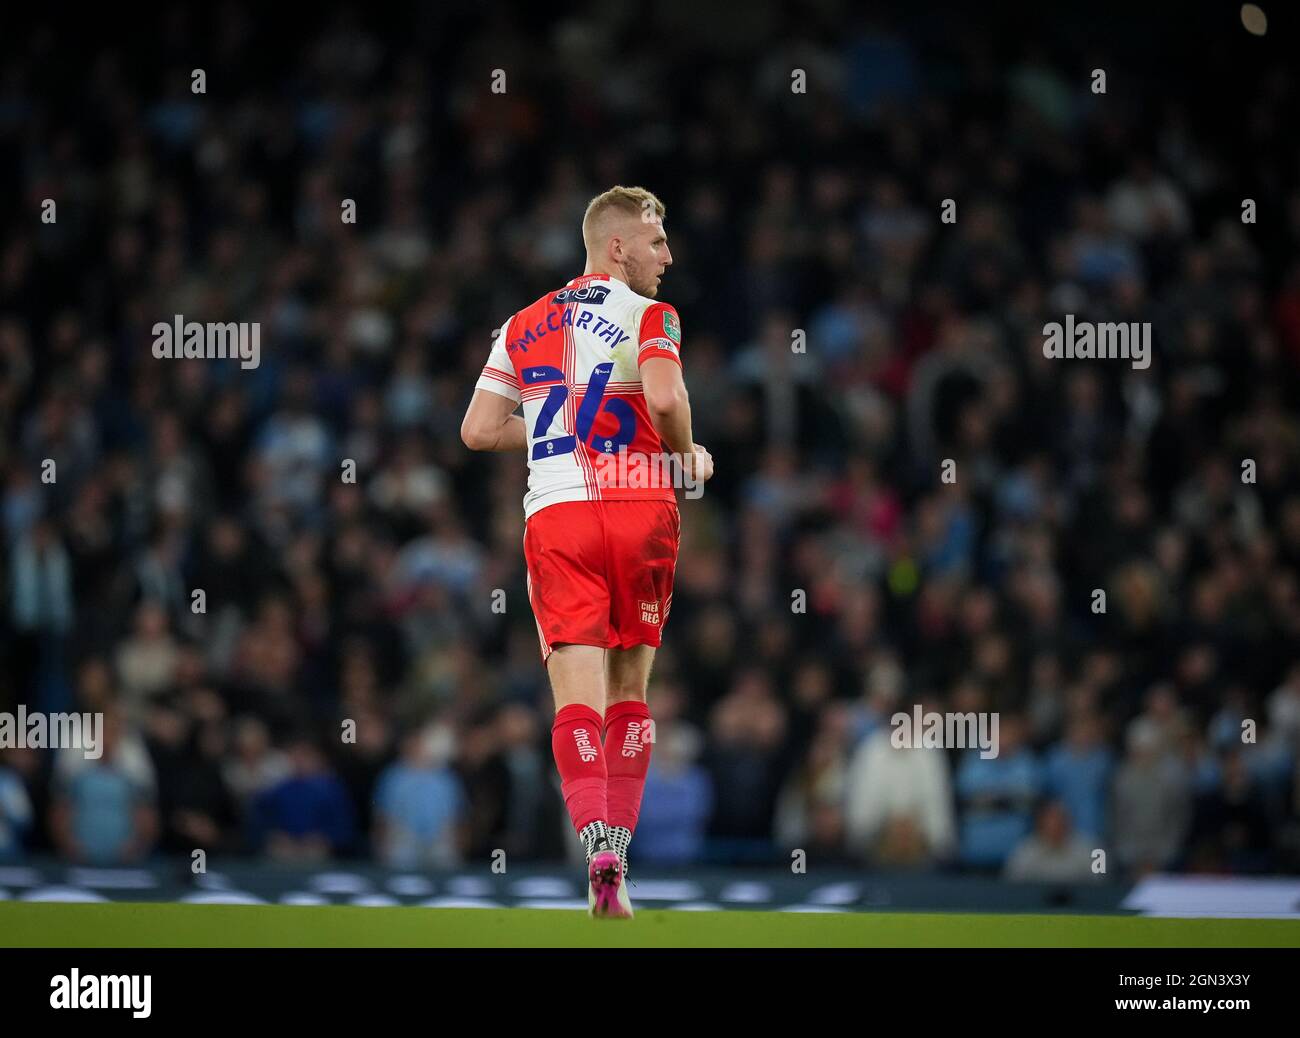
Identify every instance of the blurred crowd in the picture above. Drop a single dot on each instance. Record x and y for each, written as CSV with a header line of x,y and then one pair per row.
x,y
300,603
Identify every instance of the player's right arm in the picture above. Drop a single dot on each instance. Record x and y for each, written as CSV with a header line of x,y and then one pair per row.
x,y
668,403
670,412
666,399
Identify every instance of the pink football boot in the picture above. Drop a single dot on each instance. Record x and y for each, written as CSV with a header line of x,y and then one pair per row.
x,y
605,896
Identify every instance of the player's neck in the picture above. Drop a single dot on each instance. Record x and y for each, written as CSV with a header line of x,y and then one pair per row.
x,y
595,268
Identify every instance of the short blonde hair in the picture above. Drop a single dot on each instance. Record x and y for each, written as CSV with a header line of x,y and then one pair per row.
x,y
629,201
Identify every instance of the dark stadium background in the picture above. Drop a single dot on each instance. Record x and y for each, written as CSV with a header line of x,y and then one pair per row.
x,y
328,602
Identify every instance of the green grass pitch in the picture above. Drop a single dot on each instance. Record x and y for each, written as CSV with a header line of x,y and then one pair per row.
x,y
116,925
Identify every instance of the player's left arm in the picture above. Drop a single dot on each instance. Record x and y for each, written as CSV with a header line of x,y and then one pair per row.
x,y
491,424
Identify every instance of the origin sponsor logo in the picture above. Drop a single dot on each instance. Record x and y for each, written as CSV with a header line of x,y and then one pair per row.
x,y
593,294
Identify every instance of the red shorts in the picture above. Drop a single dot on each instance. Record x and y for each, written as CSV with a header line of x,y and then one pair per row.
x,y
601,572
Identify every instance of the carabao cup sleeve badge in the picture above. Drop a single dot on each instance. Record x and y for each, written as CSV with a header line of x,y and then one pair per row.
x,y
671,328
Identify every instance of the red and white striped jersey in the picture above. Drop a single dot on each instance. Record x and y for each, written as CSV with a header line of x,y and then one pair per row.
x,y
573,358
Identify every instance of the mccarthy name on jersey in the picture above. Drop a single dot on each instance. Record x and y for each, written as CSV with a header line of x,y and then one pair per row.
x,y
573,359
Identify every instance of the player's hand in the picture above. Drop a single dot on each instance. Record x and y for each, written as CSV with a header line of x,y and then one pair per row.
x,y
703,463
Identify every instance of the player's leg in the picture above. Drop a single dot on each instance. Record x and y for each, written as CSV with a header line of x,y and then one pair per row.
x,y
643,563
564,546
577,674
629,737
627,674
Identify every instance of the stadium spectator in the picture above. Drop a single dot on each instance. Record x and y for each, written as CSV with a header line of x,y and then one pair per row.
x,y
146,662
747,763
307,816
532,823
195,806
1152,801
899,804
16,817
253,766
485,777
678,797
104,809
1078,772
1053,853
810,812
996,796
42,609
419,805
1230,831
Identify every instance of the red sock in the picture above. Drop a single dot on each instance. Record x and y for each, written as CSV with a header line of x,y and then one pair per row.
x,y
628,735
575,741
